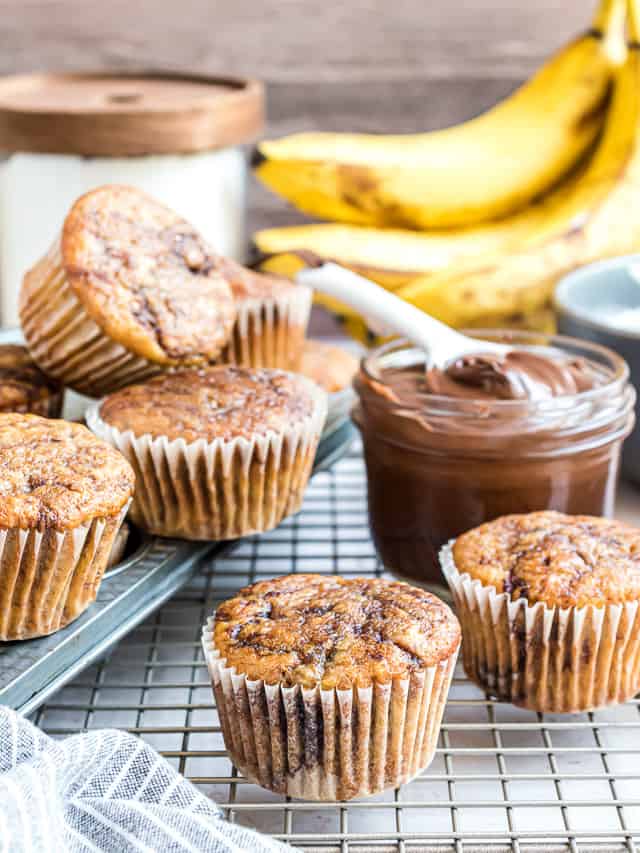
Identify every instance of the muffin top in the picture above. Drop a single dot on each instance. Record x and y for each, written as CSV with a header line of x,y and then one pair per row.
x,y
22,383
57,475
330,366
147,277
333,631
222,402
560,560
247,284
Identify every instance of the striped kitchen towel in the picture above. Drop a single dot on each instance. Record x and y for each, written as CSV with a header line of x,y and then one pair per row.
x,y
103,790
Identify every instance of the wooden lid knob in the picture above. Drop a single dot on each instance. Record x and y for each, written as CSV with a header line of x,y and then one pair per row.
x,y
121,115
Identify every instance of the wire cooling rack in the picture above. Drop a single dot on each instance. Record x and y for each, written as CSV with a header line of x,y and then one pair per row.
x,y
502,778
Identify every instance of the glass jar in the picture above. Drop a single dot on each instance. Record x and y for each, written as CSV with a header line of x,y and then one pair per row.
x,y
437,466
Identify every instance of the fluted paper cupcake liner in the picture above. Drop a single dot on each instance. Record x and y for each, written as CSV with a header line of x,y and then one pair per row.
x,y
547,659
67,343
320,744
47,407
48,579
219,489
270,332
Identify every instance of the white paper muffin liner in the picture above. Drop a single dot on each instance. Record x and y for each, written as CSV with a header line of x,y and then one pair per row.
x,y
219,489
270,332
67,343
560,660
319,744
48,579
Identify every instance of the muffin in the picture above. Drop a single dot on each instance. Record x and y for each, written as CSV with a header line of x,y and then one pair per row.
x,y
219,452
549,609
329,687
272,318
330,366
23,387
63,496
127,290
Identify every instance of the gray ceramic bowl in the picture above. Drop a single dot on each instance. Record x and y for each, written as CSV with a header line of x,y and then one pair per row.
x,y
587,302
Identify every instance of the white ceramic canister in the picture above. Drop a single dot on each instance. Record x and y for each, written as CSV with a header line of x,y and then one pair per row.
x,y
178,137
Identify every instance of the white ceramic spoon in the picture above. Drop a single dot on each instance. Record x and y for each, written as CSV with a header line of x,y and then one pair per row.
x,y
442,343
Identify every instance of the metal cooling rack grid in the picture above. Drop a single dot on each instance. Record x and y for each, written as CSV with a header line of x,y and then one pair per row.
x,y
502,778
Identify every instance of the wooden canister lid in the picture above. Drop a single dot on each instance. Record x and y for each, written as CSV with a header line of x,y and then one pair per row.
x,y
124,115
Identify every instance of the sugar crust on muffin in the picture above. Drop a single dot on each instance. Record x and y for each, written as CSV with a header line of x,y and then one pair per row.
x,y
57,475
560,560
333,631
223,402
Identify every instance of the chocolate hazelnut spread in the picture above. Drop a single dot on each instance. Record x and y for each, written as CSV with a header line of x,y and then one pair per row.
x,y
448,450
517,375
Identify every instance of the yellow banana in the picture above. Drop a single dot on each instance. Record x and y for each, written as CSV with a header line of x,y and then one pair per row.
x,y
394,257
602,219
594,215
543,320
390,257
483,169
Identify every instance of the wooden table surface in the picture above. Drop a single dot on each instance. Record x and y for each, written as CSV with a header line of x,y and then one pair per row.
x,y
363,65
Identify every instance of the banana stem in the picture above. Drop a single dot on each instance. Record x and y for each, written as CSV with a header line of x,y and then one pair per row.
x,y
634,22
609,16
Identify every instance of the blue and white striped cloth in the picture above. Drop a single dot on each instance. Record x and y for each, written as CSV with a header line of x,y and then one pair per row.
x,y
104,791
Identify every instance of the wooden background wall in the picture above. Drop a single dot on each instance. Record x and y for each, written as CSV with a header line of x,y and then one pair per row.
x,y
381,65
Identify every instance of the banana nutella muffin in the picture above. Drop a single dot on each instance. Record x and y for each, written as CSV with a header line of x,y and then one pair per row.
x,y
128,289
330,687
63,496
24,387
219,452
272,318
332,367
549,605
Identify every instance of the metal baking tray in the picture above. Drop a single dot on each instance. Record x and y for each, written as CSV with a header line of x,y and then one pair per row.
x,y
31,670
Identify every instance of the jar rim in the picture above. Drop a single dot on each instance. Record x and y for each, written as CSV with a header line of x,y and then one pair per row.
x,y
617,365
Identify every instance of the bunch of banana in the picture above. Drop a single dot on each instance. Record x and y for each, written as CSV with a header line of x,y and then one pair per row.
x,y
502,272
483,169
598,217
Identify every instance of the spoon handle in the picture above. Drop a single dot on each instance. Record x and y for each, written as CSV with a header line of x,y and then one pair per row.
x,y
391,312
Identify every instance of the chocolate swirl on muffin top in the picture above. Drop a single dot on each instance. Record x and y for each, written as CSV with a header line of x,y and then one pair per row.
x,y
560,560
57,475
146,277
216,403
333,631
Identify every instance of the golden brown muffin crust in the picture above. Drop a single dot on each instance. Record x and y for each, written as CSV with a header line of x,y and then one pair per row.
x,y
222,402
333,631
147,277
560,560
23,386
57,475
330,366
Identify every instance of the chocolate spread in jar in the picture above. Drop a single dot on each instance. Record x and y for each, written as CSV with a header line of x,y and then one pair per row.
x,y
518,375
447,449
